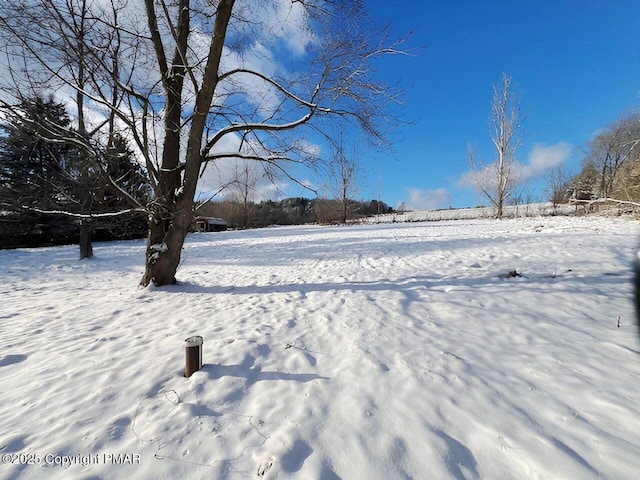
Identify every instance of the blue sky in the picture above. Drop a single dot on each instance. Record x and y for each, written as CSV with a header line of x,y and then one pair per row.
x,y
575,65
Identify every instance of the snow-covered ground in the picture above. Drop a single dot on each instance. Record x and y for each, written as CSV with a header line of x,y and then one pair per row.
x,y
364,352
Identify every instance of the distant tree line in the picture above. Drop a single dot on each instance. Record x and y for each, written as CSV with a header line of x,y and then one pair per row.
x,y
610,169
290,211
54,191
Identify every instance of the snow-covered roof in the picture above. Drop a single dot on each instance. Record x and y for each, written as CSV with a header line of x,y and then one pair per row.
x,y
213,220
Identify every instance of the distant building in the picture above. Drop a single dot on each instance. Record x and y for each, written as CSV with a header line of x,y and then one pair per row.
x,y
210,224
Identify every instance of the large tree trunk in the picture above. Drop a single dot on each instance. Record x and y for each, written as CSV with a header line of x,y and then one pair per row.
x,y
170,221
164,246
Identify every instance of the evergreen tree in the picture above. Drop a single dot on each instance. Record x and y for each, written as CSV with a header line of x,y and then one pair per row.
x,y
36,172
41,173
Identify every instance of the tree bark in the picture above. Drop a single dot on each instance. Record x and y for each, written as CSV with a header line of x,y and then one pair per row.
x,y
86,232
170,219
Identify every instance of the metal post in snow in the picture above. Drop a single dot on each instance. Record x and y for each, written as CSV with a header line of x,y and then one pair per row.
x,y
193,355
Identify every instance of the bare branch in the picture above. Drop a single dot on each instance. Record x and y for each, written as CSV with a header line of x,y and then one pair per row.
x,y
87,216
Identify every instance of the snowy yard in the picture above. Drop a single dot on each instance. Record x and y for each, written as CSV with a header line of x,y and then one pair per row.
x,y
364,352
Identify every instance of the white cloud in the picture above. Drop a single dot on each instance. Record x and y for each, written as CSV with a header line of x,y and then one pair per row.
x,y
280,21
220,172
307,148
306,183
420,199
543,158
265,189
468,179
295,27
220,175
264,40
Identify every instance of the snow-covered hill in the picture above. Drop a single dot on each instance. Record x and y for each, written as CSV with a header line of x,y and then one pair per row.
x,y
365,352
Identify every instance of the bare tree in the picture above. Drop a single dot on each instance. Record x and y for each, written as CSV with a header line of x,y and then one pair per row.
x,y
628,185
343,183
193,76
611,152
243,188
52,45
498,180
558,186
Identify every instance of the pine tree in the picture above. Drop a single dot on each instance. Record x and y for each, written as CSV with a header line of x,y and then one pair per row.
x,y
35,171
41,173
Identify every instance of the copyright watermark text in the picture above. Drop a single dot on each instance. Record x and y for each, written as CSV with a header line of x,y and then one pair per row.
x,y
66,461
